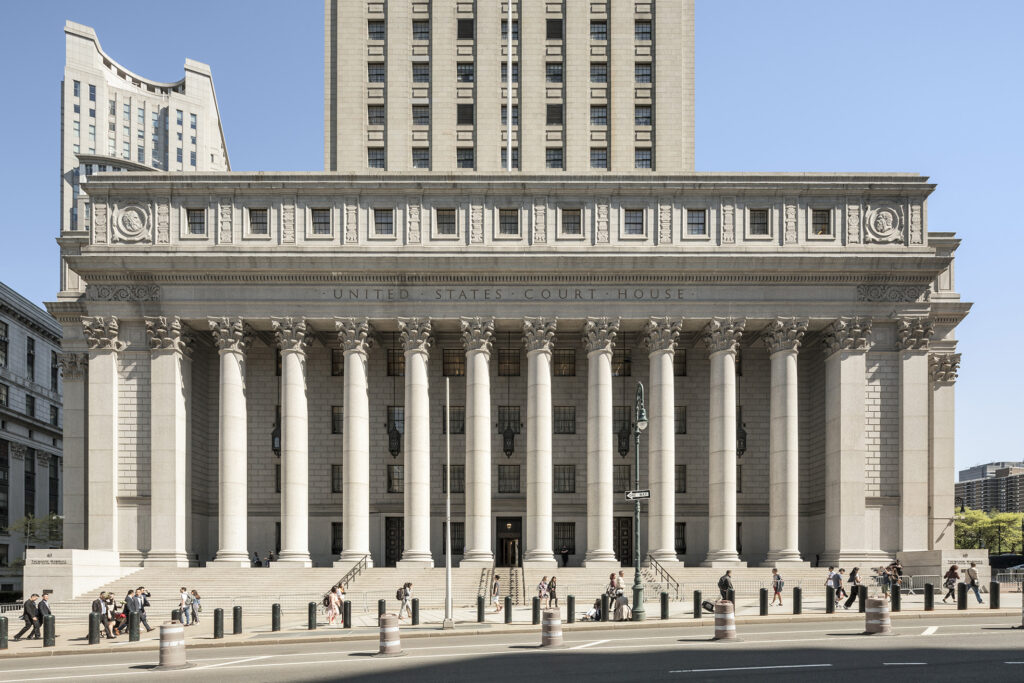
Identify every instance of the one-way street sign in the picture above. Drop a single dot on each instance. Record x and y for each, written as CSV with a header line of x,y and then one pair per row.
x,y
635,495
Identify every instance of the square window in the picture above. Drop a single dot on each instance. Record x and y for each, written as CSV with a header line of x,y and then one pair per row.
x,y
642,72
622,362
337,536
621,479
508,478
515,156
421,72
179,156
384,222
680,538
421,157
739,478
376,29
821,222
508,416
30,405
508,362
572,221
679,363
375,157
396,363
375,115
554,29
337,362
464,73
396,479
508,221
396,418
599,115
277,478
257,220
642,115
5,395
504,29
515,72
515,114
458,421
196,221
375,72
696,222
337,419
642,157
599,30
642,31
454,363
554,115
680,478
564,362
92,93
458,474
565,481
446,222
634,221
759,221
564,419
464,114
192,157
464,157
465,29
553,157
421,30
680,419
421,114
321,221
553,72
599,157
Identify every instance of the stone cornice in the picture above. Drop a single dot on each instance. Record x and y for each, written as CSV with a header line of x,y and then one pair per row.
x,y
723,334
477,333
415,333
539,333
354,334
784,334
599,333
847,334
662,333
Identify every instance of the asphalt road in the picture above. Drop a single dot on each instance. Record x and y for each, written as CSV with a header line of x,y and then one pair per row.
x,y
925,650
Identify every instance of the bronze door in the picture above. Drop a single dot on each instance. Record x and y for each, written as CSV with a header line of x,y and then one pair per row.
x,y
394,540
509,536
623,539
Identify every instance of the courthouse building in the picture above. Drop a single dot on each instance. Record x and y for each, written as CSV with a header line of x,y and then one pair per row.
x,y
259,360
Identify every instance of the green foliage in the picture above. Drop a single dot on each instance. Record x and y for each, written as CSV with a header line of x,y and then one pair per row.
x,y
997,531
39,531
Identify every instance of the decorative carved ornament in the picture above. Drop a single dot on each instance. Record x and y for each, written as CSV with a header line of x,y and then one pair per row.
x,y
601,224
415,214
351,221
665,223
476,224
661,334
166,334
723,334
784,334
944,367
729,220
847,334
354,334
599,333
884,224
101,333
288,224
789,220
916,229
73,365
913,334
415,333
163,220
230,334
225,215
99,223
292,334
95,292
539,333
132,224
540,221
893,293
477,333
852,223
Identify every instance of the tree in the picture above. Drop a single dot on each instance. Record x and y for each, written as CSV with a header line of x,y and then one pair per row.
x,y
997,531
39,531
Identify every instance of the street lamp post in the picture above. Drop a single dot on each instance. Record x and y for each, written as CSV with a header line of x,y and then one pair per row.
x,y
639,426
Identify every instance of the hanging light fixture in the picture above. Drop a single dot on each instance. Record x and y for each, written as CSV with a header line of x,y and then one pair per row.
x,y
394,436
508,435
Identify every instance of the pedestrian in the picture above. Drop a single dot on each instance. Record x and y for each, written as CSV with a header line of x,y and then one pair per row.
x,y
620,580
496,594
44,609
406,592
594,613
185,607
839,577
725,584
854,582
122,611
950,579
542,589
895,580
111,609
30,615
972,579
255,559
777,585
333,606
99,605
142,600
552,592
612,585
272,558
564,552
197,606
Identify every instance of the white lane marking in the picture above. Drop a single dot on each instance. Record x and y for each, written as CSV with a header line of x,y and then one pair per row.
x,y
930,630
904,663
237,661
751,668
586,645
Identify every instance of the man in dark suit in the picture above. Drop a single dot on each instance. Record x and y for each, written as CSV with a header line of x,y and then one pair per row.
x,y
100,605
138,603
30,615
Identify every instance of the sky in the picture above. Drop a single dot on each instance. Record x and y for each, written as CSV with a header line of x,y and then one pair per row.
x,y
928,86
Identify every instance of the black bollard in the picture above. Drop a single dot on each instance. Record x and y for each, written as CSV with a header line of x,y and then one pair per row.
x,y
94,628
275,617
862,599
236,619
929,597
570,609
508,609
3,633
604,607
346,612
311,616
664,605
830,600
535,611
993,595
49,634
961,596
218,623
382,607
176,616
696,605
133,627
798,600
730,595
480,609
764,602
415,611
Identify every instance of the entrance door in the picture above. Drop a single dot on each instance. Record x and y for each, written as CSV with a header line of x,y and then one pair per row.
x,y
509,534
394,540
624,540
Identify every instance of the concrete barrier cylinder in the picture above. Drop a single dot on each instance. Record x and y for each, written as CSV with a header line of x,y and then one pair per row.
x,y
3,633
570,608
535,611
798,600
94,628
390,639
605,603
664,605
725,623
346,614
311,617
896,597
236,620
551,629
382,607
508,609
415,611
763,602
218,623
876,619
275,617
993,595
961,596
49,632
133,627
696,605
480,609
172,646
862,599
830,600
929,597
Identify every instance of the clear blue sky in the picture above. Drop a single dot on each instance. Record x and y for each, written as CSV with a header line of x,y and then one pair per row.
x,y
930,86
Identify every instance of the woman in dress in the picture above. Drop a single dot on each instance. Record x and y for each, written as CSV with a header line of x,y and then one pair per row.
x,y
552,592
950,579
197,606
333,605
542,589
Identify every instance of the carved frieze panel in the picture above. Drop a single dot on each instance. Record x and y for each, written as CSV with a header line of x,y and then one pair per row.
x,y
853,227
601,224
540,221
99,223
916,224
884,223
100,292
476,224
132,223
665,223
729,220
893,293
288,224
163,220
789,219
351,221
225,214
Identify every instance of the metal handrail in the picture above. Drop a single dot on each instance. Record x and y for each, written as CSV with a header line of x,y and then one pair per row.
x,y
662,574
350,576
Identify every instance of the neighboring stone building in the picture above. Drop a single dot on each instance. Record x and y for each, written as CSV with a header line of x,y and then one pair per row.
x,y
30,427
999,488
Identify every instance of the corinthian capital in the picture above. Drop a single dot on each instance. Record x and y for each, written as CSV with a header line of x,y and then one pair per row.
x,y
723,334
913,334
355,334
230,334
477,333
847,334
73,365
539,333
599,333
101,333
415,333
943,367
166,334
292,334
661,334
784,334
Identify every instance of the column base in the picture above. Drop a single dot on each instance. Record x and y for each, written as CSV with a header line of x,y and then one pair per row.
x,y
232,558
784,558
168,558
291,560
846,558
347,559
230,563
477,560
415,564
723,558
666,557
540,563
600,558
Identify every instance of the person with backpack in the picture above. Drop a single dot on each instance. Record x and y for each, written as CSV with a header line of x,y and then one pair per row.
x,y
777,585
185,607
405,595
837,582
950,579
725,584
496,594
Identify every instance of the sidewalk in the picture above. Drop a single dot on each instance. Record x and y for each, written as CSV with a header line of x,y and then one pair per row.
x,y
71,637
